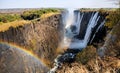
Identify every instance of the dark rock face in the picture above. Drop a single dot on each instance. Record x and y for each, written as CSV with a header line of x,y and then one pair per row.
x,y
85,21
41,37
14,60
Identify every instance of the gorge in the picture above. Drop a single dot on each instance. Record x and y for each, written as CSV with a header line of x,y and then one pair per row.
x,y
56,42
80,29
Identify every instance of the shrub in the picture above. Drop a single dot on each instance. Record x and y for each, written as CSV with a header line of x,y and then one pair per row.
x,y
9,17
33,14
29,16
113,18
86,54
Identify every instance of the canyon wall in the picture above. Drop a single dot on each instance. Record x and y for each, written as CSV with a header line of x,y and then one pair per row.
x,y
41,37
15,60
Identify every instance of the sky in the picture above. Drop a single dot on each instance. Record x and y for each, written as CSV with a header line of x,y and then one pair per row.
x,y
57,4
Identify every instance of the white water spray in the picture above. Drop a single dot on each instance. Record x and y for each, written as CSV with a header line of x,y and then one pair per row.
x,y
68,20
73,22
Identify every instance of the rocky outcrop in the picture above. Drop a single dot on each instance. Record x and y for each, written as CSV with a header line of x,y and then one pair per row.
x,y
73,68
94,66
111,44
42,37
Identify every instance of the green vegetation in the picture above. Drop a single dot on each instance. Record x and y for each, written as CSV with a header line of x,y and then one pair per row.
x,y
86,55
26,15
33,14
113,18
4,18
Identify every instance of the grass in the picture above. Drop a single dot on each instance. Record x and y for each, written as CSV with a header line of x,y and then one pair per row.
x,y
14,24
49,14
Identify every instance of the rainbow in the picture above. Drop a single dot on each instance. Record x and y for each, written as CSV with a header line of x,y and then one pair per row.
x,y
24,50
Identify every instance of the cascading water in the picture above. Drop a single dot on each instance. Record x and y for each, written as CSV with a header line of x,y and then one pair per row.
x,y
73,29
101,25
78,32
69,20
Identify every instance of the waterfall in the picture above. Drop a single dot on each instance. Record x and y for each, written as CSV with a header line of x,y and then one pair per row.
x,y
68,20
75,24
102,24
73,27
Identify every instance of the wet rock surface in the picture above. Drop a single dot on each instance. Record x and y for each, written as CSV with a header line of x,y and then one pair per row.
x,y
61,59
14,60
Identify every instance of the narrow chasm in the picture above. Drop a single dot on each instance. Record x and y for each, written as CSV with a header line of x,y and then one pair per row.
x,y
71,41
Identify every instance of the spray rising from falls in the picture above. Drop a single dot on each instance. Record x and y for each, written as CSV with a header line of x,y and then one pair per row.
x,y
79,26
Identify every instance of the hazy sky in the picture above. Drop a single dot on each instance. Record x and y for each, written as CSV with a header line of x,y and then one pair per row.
x,y
57,3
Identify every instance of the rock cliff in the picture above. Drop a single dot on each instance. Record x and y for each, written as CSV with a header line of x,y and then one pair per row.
x,y
15,60
42,37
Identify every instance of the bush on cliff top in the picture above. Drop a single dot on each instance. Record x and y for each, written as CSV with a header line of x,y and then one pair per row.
x,y
113,18
33,14
4,18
